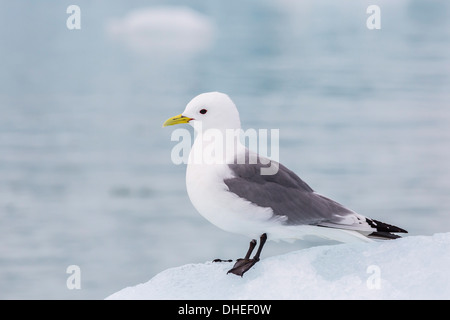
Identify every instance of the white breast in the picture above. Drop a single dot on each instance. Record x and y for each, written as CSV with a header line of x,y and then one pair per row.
x,y
210,196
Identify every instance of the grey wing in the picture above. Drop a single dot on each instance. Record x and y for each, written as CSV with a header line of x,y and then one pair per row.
x,y
286,194
290,197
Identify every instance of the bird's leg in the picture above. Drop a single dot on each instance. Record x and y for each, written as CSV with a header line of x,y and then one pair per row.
x,y
262,241
247,256
243,265
250,250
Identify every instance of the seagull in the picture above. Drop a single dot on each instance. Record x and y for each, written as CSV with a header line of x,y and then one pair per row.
x,y
228,186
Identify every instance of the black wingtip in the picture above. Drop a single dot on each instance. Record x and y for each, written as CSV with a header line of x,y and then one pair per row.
x,y
383,235
382,227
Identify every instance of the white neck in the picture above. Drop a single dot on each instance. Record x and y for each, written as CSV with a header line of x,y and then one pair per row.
x,y
216,146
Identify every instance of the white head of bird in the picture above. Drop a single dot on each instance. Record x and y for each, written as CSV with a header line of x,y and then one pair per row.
x,y
213,110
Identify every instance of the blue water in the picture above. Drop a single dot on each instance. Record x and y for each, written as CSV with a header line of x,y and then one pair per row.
x,y
85,171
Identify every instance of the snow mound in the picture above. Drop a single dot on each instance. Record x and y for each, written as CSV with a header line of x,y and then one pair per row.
x,y
408,268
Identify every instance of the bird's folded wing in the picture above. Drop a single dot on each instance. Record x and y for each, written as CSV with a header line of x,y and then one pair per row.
x,y
294,202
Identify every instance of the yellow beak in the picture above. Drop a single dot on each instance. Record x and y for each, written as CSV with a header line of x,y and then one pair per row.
x,y
176,120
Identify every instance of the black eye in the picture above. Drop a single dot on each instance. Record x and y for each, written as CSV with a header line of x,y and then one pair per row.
x,y
203,111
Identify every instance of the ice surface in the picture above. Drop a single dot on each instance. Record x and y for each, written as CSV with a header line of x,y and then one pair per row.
x,y
415,267
163,30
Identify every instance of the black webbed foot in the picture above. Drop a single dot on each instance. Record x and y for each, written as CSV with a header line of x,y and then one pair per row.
x,y
243,265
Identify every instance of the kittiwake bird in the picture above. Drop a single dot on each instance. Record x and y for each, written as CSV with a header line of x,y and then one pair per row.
x,y
230,188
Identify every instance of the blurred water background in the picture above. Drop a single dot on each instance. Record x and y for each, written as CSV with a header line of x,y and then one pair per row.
x,y
85,171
